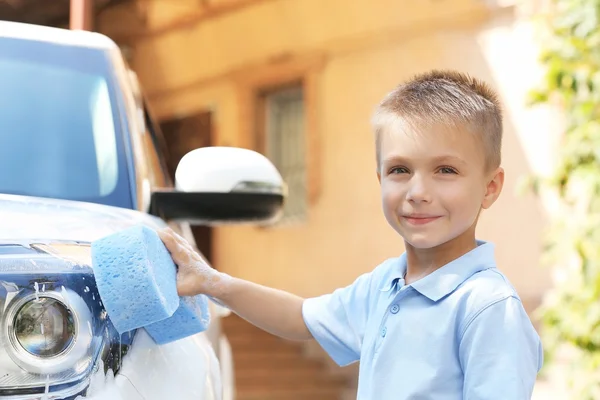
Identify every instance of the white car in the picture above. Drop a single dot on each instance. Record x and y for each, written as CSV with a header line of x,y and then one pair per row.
x,y
81,158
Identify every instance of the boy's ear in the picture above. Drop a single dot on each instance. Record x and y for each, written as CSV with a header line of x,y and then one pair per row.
x,y
494,188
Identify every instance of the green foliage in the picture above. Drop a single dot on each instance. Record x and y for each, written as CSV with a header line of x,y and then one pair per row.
x,y
571,316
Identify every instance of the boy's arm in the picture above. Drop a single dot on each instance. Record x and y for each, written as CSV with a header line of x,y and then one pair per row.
x,y
274,311
500,353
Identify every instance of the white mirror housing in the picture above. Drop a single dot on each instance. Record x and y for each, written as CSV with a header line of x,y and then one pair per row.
x,y
225,170
217,185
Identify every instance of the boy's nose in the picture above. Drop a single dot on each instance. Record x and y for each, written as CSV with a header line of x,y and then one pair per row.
x,y
417,191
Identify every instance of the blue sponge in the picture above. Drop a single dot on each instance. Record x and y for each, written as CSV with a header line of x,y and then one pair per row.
x,y
191,317
136,278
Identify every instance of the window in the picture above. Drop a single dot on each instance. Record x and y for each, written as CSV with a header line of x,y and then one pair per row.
x,y
285,145
278,106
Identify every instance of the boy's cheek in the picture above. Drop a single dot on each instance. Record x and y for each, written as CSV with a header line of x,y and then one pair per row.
x,y
392,204
389,193
391,216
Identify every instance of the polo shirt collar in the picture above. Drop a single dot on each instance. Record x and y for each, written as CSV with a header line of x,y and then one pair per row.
x,y
446,279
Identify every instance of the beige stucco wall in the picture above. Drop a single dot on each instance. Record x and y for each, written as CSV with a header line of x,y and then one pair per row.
x,y
368,48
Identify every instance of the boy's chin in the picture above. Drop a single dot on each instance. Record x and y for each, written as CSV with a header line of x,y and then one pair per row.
x,y
423,242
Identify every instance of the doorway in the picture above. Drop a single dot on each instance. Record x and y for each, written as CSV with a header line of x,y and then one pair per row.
x,y
182,136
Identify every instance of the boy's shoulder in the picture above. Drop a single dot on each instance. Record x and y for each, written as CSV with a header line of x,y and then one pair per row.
x,y
485,287
487,291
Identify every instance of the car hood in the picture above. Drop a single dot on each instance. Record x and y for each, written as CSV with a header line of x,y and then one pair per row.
x,y
27,219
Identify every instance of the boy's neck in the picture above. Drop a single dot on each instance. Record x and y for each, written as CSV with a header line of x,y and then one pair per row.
x,y
422,262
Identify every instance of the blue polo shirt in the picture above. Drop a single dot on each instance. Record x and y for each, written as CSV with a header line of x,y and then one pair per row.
x,y
460,333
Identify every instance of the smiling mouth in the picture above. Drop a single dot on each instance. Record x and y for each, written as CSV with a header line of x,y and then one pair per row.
x,y
419,220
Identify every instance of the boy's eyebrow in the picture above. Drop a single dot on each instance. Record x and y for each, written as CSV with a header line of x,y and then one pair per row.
x,y
449,159
435,160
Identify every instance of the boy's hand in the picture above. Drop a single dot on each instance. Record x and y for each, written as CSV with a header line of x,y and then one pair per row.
x,y
194,275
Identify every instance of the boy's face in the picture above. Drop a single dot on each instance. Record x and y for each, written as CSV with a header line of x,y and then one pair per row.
x,y
434,184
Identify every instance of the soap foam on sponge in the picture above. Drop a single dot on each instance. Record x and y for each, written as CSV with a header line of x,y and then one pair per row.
x,y
136,279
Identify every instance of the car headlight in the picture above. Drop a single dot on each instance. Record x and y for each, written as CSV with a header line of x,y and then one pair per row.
x,y
43,327
48,332
53,328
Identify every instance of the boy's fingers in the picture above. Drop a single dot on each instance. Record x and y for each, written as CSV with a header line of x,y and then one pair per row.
x,y
180,239
169,240
181,253
183,241
185,244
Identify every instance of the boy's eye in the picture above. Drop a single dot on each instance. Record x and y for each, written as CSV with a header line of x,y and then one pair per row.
x,y
398,170
447,170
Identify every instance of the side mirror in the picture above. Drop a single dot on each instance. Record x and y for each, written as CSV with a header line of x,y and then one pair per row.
x,y
217,185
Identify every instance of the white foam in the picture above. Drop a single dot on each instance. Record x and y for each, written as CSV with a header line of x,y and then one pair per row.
x,y
102,386
47,390
97,381
109,393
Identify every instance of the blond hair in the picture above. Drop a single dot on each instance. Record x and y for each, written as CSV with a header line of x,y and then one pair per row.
x,y
449,98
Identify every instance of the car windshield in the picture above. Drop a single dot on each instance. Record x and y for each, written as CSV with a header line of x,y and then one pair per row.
x,y
59,130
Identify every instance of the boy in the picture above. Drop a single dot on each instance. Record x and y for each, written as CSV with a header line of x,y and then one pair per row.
x,y
441,321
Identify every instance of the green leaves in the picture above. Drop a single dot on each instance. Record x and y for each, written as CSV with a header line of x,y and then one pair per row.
x,y
571,313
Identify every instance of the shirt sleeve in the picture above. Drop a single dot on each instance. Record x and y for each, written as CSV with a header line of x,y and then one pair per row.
x,y
337,321
500,353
